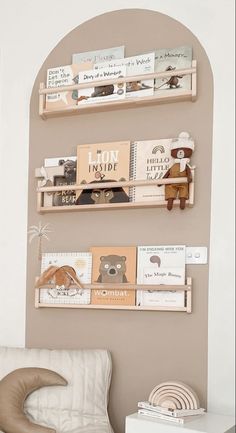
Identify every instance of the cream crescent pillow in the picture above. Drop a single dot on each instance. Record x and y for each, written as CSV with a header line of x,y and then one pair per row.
x,y
14,389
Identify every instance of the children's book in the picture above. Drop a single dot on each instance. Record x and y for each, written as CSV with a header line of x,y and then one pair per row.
x,y
171,60
150,160
136,65
103,162
82,264
96,56
68,197
161,265
63,76
113,266
104,93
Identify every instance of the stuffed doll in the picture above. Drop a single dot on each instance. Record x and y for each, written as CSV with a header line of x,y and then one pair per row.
x,y
181,150
62,276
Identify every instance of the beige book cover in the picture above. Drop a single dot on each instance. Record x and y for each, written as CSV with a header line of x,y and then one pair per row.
x,y
64,76
113,266
103,162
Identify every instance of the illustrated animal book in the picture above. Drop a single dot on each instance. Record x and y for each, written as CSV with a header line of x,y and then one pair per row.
x,y
101,93
136,65
99,163
161,265
150,160
113,266
63,76
104,55
170,60
68,197
82,264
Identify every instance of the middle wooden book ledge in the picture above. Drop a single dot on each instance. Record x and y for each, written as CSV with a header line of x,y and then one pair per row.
x,y
187,288
106,185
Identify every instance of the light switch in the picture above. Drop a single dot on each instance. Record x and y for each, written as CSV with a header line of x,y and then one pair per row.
x,y
196,255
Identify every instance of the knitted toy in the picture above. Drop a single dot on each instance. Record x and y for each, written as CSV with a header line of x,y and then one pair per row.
x,y
181,150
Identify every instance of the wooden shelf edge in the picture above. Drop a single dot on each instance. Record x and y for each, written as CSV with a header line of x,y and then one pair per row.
x,y
187,288
128,103
110,206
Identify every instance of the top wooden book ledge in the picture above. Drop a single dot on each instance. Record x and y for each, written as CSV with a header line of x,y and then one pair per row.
x,y
172,95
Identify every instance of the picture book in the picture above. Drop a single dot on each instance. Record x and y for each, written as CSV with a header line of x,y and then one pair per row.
x,y
103,162
104,93
156,298
172,59
104,55
136,65
69,164
63,76
150,160
161,265
82,264
113,266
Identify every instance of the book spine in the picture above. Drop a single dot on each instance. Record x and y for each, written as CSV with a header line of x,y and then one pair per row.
x,y
160,416
133,167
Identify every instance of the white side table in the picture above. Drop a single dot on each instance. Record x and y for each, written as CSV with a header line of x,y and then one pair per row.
x,y
207,423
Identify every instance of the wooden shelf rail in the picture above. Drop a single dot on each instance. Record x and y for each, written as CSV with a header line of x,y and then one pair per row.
x,y
124,184
171,95
187,288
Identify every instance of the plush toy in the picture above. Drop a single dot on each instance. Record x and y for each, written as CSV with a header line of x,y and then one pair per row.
x,y
181,150
62,276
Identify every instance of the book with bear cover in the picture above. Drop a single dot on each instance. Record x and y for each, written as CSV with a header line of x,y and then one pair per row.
x,y
63,76
82,264
68,197
103,162
104,55
172,59
136,65
161,265
113,265
150,160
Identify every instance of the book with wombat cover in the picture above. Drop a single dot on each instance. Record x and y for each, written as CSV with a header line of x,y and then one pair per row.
x,y
113,266
103,162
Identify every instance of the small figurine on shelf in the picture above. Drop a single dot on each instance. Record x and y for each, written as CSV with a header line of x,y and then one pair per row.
x,y
181,150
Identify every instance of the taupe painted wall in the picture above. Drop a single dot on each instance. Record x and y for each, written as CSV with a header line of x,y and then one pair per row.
x,y
147,347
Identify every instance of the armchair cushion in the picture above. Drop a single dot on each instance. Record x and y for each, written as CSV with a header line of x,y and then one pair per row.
x,y
81,406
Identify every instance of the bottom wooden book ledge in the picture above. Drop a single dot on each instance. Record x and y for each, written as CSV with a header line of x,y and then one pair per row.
x,y
47,297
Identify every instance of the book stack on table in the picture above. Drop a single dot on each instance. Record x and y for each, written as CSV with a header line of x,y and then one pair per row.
x,y
179,416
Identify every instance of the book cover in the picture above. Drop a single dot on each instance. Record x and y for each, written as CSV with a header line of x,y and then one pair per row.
x,y
69,164
170,412
104,55
136,65
150,160
104,93
161,265
113,266
160,416
82,263
172,59
103,162
63,76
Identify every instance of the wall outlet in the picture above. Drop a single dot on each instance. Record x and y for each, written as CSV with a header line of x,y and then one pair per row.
x,y
196,255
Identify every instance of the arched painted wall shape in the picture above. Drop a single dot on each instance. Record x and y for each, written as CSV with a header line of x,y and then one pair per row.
x,y
147,347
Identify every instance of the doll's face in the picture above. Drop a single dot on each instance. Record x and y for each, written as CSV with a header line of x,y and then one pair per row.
x,y
181,152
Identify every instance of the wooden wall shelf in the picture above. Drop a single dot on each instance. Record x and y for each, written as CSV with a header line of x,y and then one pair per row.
x,y
111,206
173,95
187,288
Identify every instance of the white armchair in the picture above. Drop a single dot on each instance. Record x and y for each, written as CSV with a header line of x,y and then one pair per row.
x,y
80,407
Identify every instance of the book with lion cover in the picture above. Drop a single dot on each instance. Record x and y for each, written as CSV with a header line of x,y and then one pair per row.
x,y
103,162
113,266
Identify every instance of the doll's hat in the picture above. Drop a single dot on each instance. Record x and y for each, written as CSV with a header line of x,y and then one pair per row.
x,y
184,140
